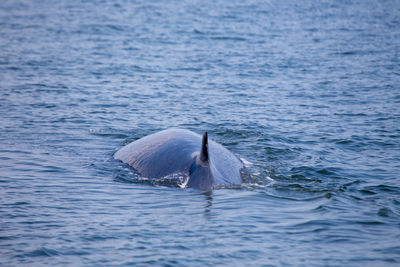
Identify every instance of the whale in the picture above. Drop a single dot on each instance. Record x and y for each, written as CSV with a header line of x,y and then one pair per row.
x,y
203,163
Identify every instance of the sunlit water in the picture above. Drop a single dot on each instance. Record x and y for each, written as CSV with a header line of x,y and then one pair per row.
x,y
306,91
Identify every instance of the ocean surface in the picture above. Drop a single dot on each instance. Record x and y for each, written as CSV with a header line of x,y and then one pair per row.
x,y
307,92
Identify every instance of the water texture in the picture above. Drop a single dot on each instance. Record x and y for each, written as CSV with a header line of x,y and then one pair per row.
x,y
307,91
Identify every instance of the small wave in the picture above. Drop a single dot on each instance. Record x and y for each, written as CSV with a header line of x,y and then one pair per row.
x,y
385,212
128,175
43,251
228,38
246,162
382,188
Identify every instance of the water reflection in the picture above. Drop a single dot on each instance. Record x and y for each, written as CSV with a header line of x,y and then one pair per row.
x,y
209,201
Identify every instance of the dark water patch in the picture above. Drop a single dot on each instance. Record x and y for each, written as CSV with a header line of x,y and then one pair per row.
x,y
344,142
292,192
367,192
19,203
314,173
385,212
352,53
370,222
196,31
228,38
43,251
383,188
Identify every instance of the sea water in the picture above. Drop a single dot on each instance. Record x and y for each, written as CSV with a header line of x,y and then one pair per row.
x,y
306,92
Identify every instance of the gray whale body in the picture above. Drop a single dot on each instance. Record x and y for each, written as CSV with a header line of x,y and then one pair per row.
x,y
205,162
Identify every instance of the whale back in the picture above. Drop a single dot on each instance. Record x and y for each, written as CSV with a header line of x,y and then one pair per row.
x,y
172,151
160,154
224,165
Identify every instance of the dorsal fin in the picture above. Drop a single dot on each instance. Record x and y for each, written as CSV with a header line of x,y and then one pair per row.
x,y
204,148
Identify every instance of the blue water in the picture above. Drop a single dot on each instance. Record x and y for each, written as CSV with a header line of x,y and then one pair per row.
x,y
307,91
